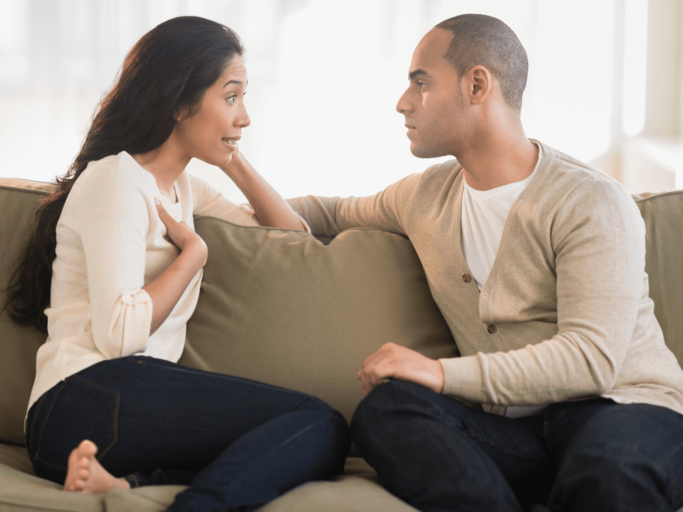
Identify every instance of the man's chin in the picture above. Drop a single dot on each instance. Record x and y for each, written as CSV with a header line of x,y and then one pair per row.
x,y
422,151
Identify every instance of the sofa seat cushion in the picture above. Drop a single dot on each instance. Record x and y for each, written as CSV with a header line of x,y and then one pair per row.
x,y
356,490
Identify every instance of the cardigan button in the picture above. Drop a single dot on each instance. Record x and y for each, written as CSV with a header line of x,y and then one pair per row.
x,y
492,329
467,278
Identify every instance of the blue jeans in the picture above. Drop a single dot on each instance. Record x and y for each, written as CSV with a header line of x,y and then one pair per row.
x,y
585,456
237,443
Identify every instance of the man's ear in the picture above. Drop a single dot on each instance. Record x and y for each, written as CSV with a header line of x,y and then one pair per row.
x,y
478,81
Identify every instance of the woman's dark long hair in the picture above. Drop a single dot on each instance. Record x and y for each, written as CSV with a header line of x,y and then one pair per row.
x,y
171,67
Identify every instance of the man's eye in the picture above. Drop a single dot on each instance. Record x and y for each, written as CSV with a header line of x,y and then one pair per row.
x,y
421,84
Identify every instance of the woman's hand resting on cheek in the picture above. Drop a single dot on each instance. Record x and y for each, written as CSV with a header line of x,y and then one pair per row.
x,y
182,236
270,209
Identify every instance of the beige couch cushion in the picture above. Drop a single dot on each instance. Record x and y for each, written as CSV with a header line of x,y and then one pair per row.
x,y
283,308
276,306
663,214
18,346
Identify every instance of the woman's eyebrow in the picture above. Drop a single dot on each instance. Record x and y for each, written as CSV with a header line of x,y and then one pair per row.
x,y
238,82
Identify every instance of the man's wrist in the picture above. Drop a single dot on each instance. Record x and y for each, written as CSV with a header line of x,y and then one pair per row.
x,y
463,378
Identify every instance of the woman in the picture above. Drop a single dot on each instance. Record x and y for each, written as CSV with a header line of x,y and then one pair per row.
x,y
116,266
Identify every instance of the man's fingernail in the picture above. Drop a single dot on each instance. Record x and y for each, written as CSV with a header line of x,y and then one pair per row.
x,y
156,201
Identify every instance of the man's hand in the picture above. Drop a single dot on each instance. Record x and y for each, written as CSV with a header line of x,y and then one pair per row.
x,y
395,361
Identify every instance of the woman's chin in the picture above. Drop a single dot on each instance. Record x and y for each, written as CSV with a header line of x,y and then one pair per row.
x,y
220,161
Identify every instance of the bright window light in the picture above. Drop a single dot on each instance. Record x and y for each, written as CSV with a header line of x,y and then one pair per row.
x,y
635,66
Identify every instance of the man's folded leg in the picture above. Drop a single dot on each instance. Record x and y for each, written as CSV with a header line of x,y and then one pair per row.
x,y
615,457
439,455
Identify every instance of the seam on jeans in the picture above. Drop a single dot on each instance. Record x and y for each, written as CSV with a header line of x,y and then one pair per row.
x,y
547,425
195,371
29,441
506,451
137,482
471,433
297,434
115,421
42,434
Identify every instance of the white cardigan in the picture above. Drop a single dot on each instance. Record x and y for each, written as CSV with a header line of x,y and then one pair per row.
x,y
110,244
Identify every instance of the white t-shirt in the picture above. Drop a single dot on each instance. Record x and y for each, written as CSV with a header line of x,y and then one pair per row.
x,y
484,213
110,244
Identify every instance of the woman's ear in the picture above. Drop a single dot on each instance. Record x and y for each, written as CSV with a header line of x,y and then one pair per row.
x,y
182,113
478,81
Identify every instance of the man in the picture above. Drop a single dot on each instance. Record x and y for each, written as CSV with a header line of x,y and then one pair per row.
x,y
536,261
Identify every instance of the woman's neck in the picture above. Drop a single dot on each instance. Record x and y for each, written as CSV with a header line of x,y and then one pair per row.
x,y
165,163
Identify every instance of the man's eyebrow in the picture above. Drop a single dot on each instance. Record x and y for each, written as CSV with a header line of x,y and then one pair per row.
x,y
416,73
238,82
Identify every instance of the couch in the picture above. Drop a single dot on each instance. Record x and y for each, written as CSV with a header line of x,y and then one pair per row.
x,y
292,310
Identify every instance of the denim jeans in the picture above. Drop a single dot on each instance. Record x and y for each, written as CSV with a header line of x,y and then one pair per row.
x,y
237,443
583,456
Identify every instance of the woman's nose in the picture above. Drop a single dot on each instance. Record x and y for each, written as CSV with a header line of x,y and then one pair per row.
x,y
243,120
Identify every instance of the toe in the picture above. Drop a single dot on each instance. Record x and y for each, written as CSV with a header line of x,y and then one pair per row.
x,y
87,448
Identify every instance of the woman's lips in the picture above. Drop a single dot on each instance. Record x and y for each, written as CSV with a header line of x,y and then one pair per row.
x,y
229,143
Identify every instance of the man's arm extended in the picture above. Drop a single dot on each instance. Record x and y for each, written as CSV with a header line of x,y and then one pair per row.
x,y
328,216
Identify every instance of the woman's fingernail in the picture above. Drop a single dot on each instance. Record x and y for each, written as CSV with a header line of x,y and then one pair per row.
x,y
156,201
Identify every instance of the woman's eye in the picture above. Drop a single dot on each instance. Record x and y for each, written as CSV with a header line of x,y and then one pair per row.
x,y
232,98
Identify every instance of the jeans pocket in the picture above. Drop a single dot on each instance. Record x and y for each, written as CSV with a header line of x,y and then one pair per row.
x,y
79,410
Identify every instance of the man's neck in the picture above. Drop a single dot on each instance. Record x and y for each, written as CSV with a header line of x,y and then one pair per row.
x,y
497,159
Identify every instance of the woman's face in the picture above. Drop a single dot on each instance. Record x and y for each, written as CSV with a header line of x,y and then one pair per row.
x,y
212,132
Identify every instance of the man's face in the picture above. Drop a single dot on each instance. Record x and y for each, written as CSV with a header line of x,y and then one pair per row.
x,y
433,104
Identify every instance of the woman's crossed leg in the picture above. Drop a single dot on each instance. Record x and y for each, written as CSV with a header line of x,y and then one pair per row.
x,y
236,442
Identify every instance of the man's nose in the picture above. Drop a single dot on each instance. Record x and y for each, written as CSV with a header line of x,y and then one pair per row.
x,y
403,104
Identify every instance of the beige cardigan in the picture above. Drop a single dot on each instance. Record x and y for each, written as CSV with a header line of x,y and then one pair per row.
x,y
565,313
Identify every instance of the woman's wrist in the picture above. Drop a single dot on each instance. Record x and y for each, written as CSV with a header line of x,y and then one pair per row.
x,y
238,170
196,253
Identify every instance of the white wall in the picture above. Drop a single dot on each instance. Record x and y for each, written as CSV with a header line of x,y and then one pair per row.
x,y
325,76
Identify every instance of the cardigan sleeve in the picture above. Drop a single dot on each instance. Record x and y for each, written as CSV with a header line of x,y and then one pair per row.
x,y
112,223
598,240
328,216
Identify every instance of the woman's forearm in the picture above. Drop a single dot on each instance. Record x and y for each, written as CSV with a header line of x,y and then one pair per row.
x,y
166,289
269,207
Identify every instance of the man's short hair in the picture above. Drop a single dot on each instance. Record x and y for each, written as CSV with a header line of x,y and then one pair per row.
x,y
487,41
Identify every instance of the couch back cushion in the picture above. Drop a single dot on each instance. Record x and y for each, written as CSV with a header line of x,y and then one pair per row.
x,y
18,346
276,306
283,308
663,215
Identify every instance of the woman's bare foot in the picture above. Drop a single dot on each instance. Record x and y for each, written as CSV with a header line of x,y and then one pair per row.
x,y
86,475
